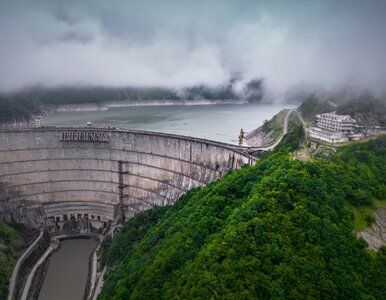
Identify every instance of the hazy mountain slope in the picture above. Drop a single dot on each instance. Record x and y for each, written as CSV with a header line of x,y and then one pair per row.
x,y
366,109
22,105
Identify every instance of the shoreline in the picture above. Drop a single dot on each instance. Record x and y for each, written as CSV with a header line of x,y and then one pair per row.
x,y
47,110
144,103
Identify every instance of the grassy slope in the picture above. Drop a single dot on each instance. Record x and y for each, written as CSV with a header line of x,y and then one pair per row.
x,y
363,214
11,247
269,132
281,229
275,125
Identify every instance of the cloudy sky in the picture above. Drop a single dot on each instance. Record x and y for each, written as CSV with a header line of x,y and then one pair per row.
x,y
179,43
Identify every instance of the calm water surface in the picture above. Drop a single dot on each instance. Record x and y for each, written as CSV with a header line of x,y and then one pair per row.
x,y
220,122
67,272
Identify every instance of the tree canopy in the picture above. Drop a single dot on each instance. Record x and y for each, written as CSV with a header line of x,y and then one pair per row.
x,y
280,229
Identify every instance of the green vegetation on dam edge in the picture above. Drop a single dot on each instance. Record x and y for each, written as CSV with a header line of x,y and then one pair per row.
x,y
283,228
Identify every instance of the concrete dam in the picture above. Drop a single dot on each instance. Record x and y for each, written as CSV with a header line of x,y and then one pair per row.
x,y
49,176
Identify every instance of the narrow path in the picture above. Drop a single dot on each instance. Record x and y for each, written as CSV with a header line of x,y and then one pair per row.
x,y
303,124
301,119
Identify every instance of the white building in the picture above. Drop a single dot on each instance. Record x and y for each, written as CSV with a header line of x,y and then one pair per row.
x,y
334,122
333,128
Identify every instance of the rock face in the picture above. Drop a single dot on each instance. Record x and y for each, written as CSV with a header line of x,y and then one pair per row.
x,y
258,138
375,235
52,175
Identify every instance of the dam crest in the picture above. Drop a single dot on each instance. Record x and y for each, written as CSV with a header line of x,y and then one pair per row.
x,y
51,175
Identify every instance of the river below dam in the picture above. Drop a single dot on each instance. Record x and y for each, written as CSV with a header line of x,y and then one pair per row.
x,y
218,122
68,269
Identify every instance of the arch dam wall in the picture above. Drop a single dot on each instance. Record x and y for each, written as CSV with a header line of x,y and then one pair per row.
x,y
51,175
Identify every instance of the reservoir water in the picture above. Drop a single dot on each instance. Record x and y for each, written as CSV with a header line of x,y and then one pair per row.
x,y
220,122
67,272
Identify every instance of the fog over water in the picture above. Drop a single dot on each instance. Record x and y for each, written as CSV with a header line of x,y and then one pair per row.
x,y
174,43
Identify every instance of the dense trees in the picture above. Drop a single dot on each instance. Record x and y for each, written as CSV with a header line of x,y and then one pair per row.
x,y
366,109
313,105
17,109
280,229
19,106
11,246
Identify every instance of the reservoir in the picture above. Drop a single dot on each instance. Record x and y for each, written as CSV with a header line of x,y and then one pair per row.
x,y
68,269
219,122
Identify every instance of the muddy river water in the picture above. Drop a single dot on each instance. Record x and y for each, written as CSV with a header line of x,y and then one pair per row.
x,y
68,269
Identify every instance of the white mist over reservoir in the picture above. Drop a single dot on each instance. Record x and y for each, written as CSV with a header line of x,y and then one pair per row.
x,y
219,122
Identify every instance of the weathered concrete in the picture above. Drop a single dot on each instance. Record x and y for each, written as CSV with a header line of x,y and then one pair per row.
x,y
50,175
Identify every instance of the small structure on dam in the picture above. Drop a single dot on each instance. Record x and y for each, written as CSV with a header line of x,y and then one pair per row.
x,y
49,176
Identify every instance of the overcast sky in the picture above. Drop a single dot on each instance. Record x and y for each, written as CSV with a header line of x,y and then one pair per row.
x,y
178,43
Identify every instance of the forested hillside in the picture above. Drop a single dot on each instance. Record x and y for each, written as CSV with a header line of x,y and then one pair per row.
x,y
21,105
366,109
12,246
282,229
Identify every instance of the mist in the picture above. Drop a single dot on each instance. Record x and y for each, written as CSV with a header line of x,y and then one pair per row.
x,y
175,44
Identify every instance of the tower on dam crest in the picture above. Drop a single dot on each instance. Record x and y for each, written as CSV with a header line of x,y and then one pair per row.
x,y
50,176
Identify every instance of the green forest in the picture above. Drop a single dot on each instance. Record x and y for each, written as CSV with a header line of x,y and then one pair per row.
x,y
22,105
282,229
366,109
12,246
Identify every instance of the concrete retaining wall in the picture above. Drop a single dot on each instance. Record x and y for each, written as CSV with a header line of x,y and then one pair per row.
x,y
26,262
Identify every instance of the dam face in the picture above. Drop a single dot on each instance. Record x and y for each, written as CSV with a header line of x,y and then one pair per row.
x,y
51,175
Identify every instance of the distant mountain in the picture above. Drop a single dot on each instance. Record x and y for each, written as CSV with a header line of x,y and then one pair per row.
x,y
366,109
20,106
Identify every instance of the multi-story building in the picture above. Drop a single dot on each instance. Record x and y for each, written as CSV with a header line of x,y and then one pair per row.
x,y
333,128
334,122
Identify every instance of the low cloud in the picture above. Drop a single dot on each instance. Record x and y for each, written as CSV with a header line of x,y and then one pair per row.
x,y
176,44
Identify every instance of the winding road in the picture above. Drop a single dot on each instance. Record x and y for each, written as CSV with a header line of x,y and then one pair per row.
x,y
285,130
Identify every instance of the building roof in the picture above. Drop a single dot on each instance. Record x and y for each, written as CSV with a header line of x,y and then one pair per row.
x,y
336,117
